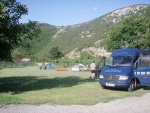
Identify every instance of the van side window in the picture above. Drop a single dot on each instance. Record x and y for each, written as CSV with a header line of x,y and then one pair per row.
x,y
144,61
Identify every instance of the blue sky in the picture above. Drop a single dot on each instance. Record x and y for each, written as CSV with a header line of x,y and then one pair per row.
x,y
70,12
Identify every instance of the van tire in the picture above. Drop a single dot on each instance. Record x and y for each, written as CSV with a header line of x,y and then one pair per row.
x,y
131,87
137,86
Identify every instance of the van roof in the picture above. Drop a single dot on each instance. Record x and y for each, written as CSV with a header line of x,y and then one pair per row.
x,y
126,51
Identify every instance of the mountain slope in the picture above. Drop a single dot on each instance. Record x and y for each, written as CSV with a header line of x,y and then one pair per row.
x,y
89,36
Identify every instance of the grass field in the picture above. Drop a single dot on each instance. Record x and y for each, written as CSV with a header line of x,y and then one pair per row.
x,y
33,86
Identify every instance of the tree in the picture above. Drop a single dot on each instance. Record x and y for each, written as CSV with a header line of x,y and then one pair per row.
x,y
55,53
133,32
12,32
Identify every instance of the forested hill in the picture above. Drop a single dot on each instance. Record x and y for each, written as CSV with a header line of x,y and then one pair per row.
x,y
91,37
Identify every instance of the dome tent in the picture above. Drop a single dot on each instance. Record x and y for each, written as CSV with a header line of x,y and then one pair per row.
x,y
49,66
78,67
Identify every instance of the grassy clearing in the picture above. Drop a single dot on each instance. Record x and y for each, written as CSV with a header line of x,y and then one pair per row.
x,y
33,86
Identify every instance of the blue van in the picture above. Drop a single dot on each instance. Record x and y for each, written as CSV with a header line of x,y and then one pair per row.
x,y
126,68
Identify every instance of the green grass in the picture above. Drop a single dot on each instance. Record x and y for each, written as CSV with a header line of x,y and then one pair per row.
x,y
33,86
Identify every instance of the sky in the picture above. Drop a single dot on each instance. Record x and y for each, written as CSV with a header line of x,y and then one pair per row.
x,y
71,12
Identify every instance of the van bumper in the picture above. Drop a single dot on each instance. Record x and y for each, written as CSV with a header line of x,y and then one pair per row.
x,y
115,84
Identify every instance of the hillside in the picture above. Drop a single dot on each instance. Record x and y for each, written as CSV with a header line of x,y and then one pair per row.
x,y
89,36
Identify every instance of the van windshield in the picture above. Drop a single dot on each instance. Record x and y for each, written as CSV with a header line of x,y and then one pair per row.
x,y
119,61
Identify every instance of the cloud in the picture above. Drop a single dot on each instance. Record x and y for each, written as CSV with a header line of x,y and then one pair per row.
x,y
95,8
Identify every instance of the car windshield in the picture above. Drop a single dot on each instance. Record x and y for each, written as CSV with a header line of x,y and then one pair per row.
x,y
119,61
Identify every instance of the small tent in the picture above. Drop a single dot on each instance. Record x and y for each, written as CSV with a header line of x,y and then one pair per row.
x,y
78,67
49,66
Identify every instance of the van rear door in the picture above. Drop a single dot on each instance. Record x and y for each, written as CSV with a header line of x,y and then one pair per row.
x,y
142,72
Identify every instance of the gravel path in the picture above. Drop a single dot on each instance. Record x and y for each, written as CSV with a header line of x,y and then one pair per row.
x,y
126,105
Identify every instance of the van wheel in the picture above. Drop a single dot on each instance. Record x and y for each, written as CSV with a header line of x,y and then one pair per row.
x,y
137,86
131,87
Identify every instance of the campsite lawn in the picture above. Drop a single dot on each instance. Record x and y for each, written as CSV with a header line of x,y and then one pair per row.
x,y
33,86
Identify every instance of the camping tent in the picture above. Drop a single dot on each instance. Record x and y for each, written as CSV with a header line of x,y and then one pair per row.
x,y
78,67
49,66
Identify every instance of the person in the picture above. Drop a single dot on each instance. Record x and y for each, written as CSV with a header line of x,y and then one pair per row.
x,y
97,70
93,66
40,65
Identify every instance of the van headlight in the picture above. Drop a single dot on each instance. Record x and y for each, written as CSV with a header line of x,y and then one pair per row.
x,y
123,77
101,76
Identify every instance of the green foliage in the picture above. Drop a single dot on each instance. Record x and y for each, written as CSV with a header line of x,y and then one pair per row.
x,y
32,48
12,33
17,55
55,53
133,32
85,56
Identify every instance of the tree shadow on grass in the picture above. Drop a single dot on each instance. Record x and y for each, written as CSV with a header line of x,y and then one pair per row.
x,y
30,83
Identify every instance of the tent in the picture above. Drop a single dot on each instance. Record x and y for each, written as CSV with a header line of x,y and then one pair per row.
x,y
49,66
78,67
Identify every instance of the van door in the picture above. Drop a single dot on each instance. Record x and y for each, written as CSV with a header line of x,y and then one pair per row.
x,y
142,70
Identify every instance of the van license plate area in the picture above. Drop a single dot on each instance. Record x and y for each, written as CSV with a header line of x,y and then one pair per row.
x,y
110,84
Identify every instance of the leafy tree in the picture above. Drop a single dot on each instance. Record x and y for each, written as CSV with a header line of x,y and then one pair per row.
x,y
134,32
55,53
13,33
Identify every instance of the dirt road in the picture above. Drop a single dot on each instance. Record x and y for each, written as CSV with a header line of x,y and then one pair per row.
x,y
126,105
